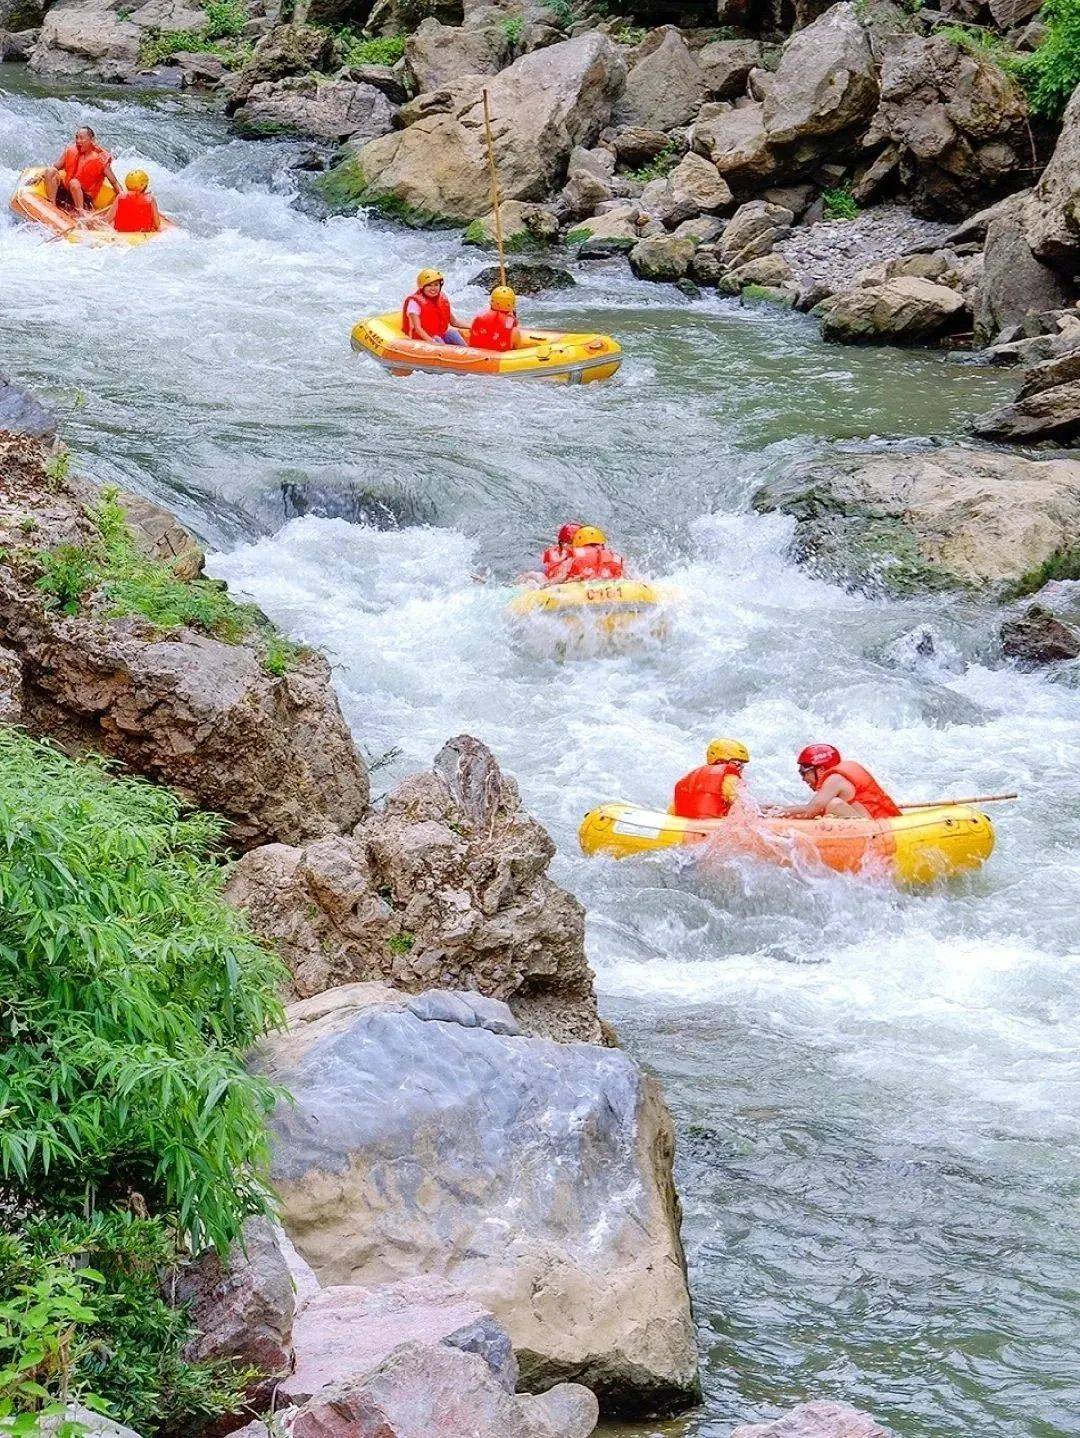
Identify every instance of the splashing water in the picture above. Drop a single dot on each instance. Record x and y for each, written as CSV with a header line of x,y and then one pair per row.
x,y
876,1091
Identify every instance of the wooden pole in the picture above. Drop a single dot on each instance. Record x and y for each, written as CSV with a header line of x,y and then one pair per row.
x,y
979,799
496,197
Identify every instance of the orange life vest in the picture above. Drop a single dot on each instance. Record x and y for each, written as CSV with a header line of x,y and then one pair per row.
x,y
434,315
552,558
88,169
135,214
868,792
593,561
700,794
493,330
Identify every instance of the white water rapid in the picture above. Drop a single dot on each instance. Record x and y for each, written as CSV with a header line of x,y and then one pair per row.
x,y
877,1093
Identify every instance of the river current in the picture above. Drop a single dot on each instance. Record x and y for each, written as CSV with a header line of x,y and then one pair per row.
x,y
877,1093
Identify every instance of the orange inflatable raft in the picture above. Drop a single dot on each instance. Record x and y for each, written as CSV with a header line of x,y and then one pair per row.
x,y
31,203
561,358
920,846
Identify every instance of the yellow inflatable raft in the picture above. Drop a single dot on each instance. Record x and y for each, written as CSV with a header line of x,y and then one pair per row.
x,y
605,606
922,845
32,203
563,358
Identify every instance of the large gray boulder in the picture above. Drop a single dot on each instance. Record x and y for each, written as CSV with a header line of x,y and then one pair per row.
x,y
662,257
1052,213
755,229
323,109
542,106
735,140
284,51
95,40
272,753
826,84
437,54
533,1176
22,413
726,66
1014,283
93,1424
1047,407
447,885
945,518
958,122
664,85
904,310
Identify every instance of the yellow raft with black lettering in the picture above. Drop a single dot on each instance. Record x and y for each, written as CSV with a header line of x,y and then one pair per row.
x,y
919,847
550,355
607,606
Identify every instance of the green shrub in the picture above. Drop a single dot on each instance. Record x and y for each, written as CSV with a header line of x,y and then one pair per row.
x,y
659,167
1062,564
976,39
561,11
1052,72
512,28
380,50
839,203
630,35
225,20
88,1319
130,993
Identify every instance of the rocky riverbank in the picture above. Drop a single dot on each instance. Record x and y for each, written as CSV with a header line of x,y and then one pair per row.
x,y
454,1233
820,160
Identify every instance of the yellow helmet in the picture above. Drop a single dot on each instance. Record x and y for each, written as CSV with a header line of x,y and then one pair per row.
x,y
429,277
137,180
588,534
727,751
503,299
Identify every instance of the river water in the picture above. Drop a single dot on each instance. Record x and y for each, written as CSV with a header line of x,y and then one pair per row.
x,y
876,1092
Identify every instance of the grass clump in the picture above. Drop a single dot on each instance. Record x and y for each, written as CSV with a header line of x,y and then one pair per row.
x,y
658,168
630,35
225,22
512,28
378,50
839,203
1052,72
130,582
131,1128
1062,564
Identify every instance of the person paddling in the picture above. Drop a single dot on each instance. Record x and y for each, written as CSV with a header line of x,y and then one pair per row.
x,y
709,792
842,788
588,557
427,315
497,327
81,171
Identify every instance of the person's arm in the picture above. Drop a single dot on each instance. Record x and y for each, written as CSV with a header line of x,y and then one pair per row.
x,y
517,340
157,213
835,787
118,188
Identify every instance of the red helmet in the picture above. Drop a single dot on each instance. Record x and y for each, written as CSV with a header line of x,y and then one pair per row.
x,y
567,532
819,756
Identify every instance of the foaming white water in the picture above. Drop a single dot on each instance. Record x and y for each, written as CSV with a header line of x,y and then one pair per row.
x,y
826,1042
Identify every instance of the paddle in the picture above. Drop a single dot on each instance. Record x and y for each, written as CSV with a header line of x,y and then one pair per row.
x,y
979,799
496,194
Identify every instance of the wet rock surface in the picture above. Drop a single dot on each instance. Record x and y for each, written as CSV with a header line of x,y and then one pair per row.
x,y
904,310
534,1177
323,109
21,413
820,1419
1037,637
938,519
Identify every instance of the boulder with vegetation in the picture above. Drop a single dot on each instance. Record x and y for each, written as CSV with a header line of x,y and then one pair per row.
x,y
1046,408
956,120
903,310
316,106
284,51
1014,282
99,41
542,106
533,1176
1052,212
131,1126
947,518
445,886
121,650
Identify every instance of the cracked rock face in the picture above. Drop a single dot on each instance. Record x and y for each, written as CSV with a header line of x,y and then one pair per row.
x,y
533,1177
447,885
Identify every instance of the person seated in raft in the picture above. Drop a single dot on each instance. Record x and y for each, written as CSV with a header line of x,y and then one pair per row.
x,y
842,788
588,557
709,791
77,177
497,327
426,314
133,212
553,555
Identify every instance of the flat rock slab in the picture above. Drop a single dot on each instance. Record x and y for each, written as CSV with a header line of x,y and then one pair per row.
x,y
821,1419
